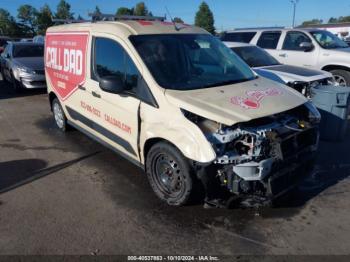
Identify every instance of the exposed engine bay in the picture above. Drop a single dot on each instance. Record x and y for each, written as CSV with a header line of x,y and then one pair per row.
x,y
305,87
251,156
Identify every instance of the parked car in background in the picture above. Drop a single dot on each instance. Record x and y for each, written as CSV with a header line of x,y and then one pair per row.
x,y
299,78
22,64
26,40
347,40
3,42
39,39
307,47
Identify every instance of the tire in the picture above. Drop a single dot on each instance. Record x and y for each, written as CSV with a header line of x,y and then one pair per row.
x,y
59,116
342,77
170,174
3,75
17,86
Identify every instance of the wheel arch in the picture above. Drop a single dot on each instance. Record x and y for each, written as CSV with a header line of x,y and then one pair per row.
x,y
154,140
335,67
52,96
151,142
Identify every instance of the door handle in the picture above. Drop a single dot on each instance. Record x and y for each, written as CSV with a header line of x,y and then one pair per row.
x,y
95,94
82,87
283,55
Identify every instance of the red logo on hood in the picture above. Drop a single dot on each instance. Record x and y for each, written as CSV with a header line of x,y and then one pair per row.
x,y
65,61
253,98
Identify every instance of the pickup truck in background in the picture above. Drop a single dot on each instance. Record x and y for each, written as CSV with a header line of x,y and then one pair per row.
x,y
307,47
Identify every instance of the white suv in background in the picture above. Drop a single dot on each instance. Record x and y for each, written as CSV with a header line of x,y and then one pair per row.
x,y
311,48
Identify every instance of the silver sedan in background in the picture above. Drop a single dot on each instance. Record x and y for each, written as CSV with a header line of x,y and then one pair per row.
x,y
22,64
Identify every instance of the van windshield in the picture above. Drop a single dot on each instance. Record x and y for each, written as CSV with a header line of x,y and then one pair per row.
x,y
190,61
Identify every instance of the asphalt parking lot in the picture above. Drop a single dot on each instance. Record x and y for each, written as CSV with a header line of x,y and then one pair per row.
x,y
65,194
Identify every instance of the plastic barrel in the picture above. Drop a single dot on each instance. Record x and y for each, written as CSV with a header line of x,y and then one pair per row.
x,y
333,102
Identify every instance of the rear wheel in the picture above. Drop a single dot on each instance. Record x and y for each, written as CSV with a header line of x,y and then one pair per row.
x,y
342,77
59,116
169,174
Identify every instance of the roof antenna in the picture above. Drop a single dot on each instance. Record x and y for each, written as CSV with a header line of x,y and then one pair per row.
x,y
172,20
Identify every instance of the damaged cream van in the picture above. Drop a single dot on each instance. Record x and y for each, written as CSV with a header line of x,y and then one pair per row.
x,y
177,102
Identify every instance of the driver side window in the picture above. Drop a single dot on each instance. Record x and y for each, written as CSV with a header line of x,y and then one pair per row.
x,y
112,60
293,40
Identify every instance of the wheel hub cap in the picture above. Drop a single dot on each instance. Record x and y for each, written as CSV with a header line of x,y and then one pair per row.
x,y
168,173
340,80
58,114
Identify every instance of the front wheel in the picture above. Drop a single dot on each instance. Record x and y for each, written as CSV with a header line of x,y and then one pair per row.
x,y
169,174
3,75
342,77
17,86
59,116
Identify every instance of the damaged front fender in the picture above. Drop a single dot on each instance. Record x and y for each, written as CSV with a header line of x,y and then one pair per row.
x,y
185,135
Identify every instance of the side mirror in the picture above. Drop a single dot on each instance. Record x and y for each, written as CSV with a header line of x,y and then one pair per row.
x,y
112,84
306,46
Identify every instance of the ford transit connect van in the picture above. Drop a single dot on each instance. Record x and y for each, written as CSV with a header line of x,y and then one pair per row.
x,y
177,102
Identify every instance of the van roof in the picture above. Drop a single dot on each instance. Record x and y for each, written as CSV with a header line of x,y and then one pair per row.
x,y
130,27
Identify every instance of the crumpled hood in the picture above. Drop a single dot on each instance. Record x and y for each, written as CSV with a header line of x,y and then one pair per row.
x,y
293,73
34,63
237,103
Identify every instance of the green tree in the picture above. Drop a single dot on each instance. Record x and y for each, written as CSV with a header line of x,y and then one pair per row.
x,y
63,10
178,20
141,9
80,18
205,18
333,20
312,22
124,11
344,19
44,19
8,25
27,16
97,14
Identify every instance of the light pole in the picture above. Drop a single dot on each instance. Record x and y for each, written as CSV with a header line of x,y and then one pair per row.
x,y
294,2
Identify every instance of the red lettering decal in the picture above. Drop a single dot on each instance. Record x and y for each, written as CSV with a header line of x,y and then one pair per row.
x,y
65,61
253,99
117,123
